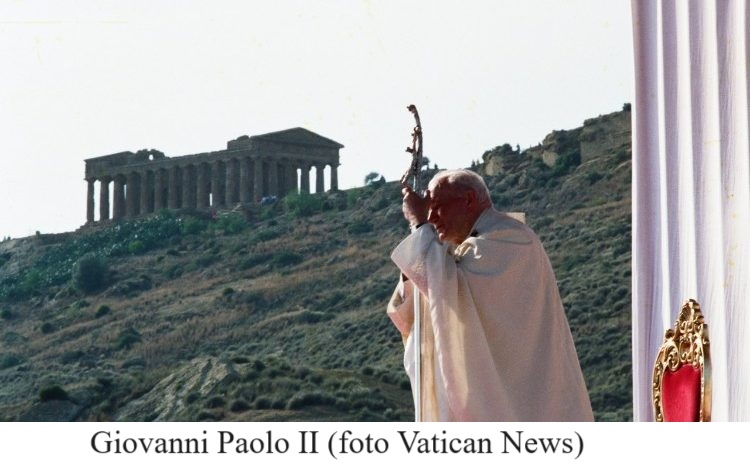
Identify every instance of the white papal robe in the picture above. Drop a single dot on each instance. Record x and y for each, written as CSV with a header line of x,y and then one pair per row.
x,y
496,345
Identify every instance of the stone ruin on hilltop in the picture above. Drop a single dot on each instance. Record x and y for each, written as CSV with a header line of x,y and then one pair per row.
x,y
249,168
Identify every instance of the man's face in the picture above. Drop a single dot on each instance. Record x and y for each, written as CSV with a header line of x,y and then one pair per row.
x,y
450,212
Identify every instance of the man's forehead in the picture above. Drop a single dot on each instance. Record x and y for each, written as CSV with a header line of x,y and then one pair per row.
x,y
441,184
443,188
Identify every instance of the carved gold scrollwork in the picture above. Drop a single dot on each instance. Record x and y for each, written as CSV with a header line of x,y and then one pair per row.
x,y
686,344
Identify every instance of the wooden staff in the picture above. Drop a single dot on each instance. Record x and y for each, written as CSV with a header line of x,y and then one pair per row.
x,y
413,173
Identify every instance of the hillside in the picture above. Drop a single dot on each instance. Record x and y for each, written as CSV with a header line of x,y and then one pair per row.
x,y
277,312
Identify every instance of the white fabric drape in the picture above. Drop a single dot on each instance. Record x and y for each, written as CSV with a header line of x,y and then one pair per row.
x,y
691,188
496,344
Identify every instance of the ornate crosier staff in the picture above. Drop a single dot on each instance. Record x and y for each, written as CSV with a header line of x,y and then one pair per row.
x,y
413,174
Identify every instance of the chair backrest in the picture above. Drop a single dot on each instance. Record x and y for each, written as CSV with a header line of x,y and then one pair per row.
x,y
681,386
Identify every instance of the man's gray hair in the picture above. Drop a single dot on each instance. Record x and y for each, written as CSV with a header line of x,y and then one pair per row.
x,y
463,179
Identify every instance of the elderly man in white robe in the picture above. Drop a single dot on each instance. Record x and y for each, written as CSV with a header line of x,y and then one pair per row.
x,y
496,345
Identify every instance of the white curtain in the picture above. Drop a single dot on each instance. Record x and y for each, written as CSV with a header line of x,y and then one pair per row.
x,y
691,188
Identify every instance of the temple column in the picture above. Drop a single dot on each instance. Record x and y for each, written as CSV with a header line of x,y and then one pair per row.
x,y
258,179
201,182
173,188
231,182
305,177
319,182
131,195
118,211
273,178
217,196
245,182
146,187
159,202
291,179
334,177
283,185
188,187
90,200
104,198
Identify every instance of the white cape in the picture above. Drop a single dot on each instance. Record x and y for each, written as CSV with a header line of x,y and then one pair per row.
x,y
496,344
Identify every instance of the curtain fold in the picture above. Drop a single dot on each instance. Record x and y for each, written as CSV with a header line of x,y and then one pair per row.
x,y
691,188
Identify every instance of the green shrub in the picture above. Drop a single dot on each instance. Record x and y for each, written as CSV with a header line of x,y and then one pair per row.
x,y
127,338
594,177
537,172
239,405
231,223
90,274
622,155
9,361
6,314
207,260
285,259
13,338
206,416
302,372
308,398
360,227
267,213
313,317
264,235
136,247
71,356
32,281
379,203
174,271
193,226
336,200
572,262
253,260
566,162
303,204
262,402
134,363
47,328
131,285
544,221
315,378
215,401
353,196
252,299
53,393
102,311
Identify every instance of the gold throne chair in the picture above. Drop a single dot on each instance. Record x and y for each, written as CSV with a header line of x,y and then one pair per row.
x,y
681,386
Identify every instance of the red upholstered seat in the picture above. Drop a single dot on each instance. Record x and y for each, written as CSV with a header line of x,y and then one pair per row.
x,y
681,392
681,386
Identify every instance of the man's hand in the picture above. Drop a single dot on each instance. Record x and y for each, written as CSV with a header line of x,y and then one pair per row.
x,y
415,207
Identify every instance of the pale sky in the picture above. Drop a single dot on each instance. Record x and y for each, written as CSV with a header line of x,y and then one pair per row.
x,y
81,79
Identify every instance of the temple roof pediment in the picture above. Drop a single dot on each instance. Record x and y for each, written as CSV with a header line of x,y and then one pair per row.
x,y
300,136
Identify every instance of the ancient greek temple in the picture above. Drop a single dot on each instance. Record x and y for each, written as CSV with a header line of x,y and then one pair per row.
x,y
249,169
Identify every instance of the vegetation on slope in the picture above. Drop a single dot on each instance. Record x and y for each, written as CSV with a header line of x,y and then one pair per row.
x,y
280,316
